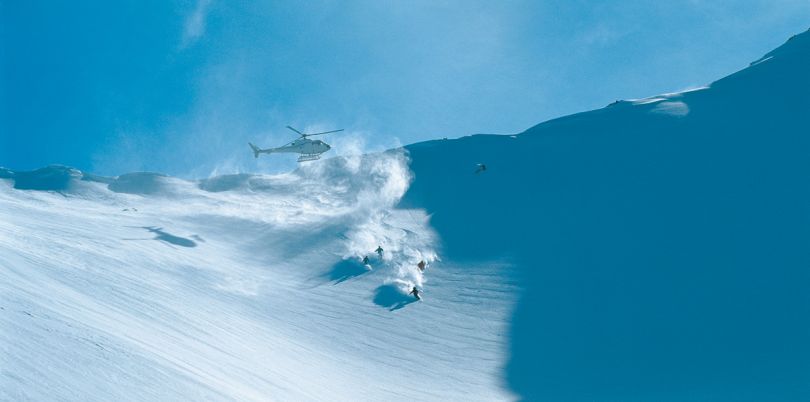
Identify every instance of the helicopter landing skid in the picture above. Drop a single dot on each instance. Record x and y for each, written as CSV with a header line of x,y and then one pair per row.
x,y
309,157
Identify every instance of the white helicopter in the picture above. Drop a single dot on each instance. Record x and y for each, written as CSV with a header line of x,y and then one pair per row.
x,y
310,150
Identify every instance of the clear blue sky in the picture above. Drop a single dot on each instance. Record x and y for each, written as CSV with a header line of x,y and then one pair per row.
x,y
181,86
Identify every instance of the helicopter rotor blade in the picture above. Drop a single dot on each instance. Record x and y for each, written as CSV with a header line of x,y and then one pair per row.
x,y
325,132
296,131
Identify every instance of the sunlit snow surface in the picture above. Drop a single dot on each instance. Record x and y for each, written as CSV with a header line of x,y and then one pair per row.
x,y
240,287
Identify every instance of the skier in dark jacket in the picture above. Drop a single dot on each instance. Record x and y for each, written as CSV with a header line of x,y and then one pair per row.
x,y
421,266
365,260
379,251
415,293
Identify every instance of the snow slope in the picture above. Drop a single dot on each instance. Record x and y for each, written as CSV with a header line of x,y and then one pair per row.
x,y
146,287
653,250
662,245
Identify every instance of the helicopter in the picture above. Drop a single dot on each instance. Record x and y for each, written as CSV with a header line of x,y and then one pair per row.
x,y
310,150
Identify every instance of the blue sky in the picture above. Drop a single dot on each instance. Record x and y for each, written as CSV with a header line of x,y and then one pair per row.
x,y
180,86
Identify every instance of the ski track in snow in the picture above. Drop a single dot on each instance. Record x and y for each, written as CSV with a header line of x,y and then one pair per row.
x,y
252,293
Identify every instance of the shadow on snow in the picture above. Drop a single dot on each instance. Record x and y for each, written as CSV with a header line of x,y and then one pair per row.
x,y
663,256
161,235
345,270
390,297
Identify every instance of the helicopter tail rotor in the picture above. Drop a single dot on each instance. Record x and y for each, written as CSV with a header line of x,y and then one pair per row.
x,y
255,149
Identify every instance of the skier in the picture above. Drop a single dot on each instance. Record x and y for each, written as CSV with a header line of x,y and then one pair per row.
x,y
421,266
415,293
481,167
365,260
379,251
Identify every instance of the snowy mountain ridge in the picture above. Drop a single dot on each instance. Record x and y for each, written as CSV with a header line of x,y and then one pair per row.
x,y
655,249
660,244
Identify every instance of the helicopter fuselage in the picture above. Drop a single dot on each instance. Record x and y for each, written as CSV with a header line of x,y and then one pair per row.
x,y
304,146
309,149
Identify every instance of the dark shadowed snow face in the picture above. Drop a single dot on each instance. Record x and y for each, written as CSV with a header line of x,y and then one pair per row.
x,y
51,178
140,183
662,244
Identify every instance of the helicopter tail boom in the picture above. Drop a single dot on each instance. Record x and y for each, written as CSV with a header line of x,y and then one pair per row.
x,y
257,150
